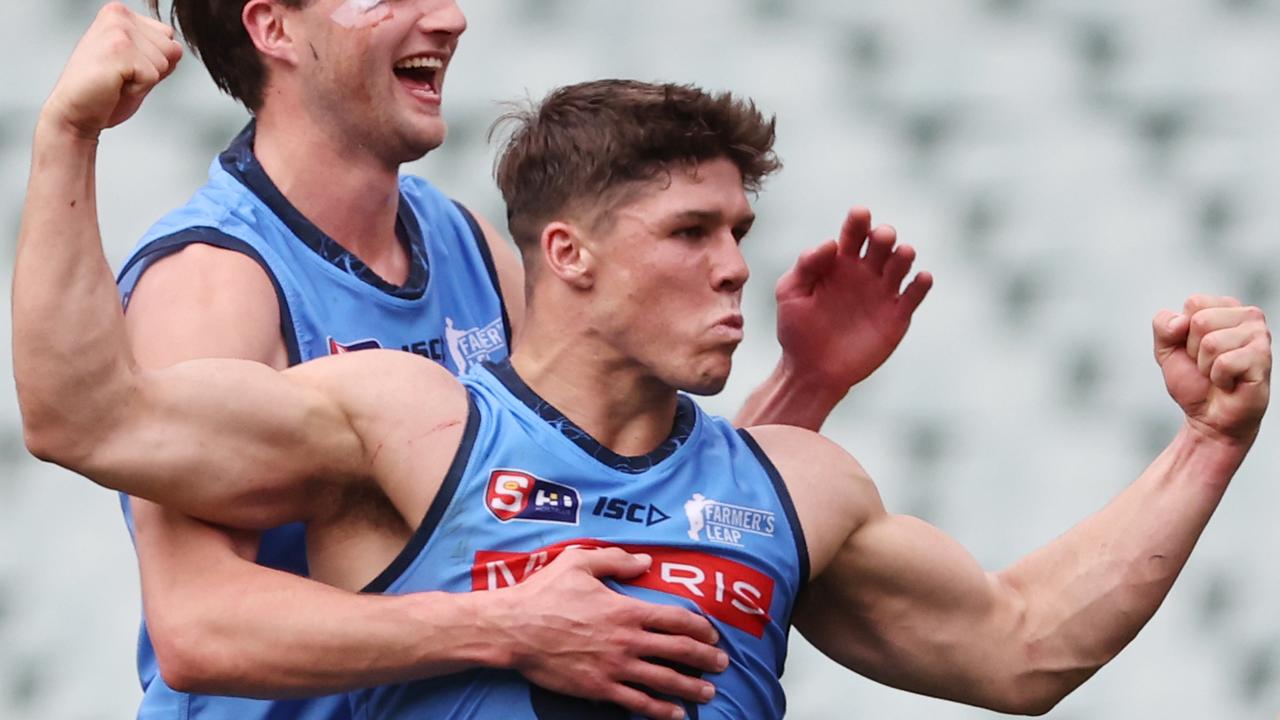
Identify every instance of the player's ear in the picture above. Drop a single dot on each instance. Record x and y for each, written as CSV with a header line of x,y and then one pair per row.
x,y
265,21
566,255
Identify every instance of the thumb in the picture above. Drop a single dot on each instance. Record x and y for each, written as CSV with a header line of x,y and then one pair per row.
x,y
811,266
1170,332
616,563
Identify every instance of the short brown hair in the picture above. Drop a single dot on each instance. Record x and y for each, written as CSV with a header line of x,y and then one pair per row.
x,y
583,143
217,36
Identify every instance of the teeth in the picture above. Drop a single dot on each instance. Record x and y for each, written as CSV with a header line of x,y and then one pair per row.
x,y
420,62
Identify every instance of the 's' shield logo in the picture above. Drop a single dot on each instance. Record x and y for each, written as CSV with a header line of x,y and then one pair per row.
x,y
517,495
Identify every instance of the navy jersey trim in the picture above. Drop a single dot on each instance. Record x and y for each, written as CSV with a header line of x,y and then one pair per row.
x,y
435,513
240,163
486,254
685,420
788,507
170,244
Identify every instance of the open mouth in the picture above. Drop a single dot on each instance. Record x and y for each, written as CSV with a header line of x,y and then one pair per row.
x,y
421,74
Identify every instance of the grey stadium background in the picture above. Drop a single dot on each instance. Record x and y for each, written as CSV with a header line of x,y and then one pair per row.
x,y
1065,168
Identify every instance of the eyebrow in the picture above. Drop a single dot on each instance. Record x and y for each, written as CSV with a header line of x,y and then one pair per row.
x,y
710,216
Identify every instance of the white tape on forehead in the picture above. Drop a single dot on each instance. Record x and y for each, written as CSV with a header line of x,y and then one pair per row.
x,y
360,13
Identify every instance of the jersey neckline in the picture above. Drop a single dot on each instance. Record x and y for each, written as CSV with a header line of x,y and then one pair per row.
x,y
239,161
681,429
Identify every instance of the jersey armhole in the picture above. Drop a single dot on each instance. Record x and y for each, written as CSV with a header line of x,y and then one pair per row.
x,y
170,244
788,507
435,513
486,254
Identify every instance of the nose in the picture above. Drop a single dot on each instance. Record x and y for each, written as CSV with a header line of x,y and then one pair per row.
x,y
444,17
729,268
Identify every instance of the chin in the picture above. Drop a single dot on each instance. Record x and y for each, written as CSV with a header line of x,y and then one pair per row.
x,y
705,388
421,138
709,381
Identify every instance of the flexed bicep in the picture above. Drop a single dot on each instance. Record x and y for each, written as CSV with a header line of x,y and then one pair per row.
x,y
892,597
229,441
904,604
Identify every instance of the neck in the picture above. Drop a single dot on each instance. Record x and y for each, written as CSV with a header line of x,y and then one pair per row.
x,y
355,205
612,398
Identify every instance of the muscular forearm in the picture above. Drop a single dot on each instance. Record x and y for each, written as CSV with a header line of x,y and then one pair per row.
x,y
1088,593
269,634
217,439
789,397
65,346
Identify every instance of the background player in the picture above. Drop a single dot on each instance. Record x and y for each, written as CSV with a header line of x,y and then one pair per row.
x,y
200,285
1017,641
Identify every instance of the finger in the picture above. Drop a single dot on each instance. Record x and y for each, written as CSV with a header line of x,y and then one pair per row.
x,y
143,77
159,36
642,704
157,25
1222,341
1232,367
666,681
147,46
609,562
162,40
854,231
173,52
915,292
1169,330
1199,302
678,621
879,245
1212,319
682,650
898,265
810,266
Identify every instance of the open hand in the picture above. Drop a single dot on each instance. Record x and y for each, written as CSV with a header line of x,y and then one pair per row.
x,y
841,313
572,634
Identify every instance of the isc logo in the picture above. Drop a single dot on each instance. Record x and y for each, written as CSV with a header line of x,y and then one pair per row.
x,y
638,513
724,589
516,495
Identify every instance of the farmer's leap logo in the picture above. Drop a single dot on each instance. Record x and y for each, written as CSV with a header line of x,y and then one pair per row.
x,y
725,523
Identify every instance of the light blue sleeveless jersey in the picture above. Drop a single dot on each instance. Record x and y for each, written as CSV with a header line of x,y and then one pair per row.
x,y
528,483
449,310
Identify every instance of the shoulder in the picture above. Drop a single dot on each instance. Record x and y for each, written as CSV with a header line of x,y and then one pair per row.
x,y
410,413
203,300
388,387
832,493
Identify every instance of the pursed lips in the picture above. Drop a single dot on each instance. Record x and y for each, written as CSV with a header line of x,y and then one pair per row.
x,y
730,326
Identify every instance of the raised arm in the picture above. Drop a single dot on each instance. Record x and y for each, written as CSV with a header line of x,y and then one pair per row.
x,y
230,441
902,603
842,311
220,623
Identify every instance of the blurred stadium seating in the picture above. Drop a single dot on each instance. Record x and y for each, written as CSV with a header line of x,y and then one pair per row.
x,y
1065,168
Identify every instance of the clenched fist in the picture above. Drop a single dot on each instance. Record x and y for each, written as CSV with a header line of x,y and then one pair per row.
x,y
1216,358
117,62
